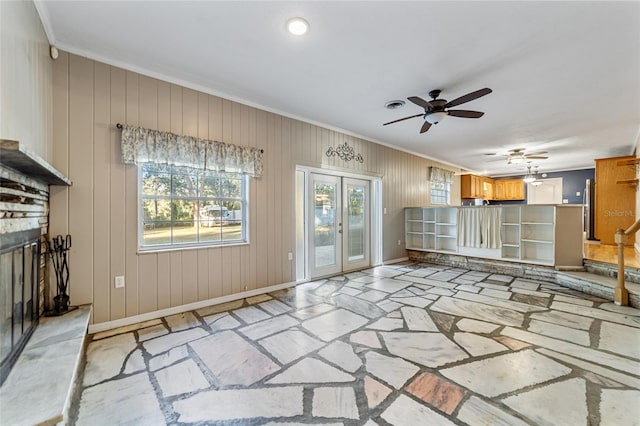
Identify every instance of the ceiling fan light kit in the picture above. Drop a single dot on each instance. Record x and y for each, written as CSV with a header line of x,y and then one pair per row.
x,y
518,156
436,109
435,117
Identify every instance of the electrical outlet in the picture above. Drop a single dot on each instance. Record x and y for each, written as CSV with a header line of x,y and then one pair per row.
x,y
577,194
119,281
399,242
384,211
290,256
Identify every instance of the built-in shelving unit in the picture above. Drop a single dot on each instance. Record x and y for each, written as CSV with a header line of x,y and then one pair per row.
x,y
510,232
540,234
431,228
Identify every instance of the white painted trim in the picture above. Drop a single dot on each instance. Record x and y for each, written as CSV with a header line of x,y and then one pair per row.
x,y
103,326
392,261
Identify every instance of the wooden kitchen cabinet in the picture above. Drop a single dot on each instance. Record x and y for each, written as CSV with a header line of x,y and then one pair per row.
x,y
487,185
508,189
471,186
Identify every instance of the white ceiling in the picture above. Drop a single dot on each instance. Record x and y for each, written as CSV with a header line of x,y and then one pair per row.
x,y
565,75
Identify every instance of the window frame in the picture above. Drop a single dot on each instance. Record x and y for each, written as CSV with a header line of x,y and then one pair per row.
x,y
172,246
446,190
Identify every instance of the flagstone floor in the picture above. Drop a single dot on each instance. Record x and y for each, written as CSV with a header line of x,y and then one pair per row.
x,y
407,344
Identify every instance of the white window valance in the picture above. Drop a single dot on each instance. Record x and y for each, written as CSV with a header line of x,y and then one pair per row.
x,y
441,175
140,145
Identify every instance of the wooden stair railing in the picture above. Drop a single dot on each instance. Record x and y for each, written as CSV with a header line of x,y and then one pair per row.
x,y
621,295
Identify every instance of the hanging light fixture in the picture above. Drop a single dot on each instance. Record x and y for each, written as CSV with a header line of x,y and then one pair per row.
x,y
529,178
536,182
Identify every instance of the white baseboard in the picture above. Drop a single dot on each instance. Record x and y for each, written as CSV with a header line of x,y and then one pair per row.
x,y
392,261
103,326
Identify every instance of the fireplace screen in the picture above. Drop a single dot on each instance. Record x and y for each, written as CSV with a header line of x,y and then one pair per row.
x,y
19,278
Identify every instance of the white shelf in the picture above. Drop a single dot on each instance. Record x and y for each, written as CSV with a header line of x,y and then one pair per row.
x,y
537,234
537,241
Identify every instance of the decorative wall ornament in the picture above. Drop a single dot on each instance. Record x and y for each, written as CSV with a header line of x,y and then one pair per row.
x,y
345,152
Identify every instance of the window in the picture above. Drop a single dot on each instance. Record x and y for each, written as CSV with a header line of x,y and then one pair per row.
x,y
182,207
440,185
440,192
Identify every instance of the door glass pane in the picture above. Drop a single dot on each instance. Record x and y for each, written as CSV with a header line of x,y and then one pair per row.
x,y
356,210
324,235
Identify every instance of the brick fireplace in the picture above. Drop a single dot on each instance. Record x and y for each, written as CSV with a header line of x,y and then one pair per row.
x,y
24,213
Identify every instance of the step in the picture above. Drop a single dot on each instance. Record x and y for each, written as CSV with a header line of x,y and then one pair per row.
x,y
611,270
597,285
39,387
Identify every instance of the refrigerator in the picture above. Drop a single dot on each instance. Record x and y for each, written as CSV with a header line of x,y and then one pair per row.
x,y
590,209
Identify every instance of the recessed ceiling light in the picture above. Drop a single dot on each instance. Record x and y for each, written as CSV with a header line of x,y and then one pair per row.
x,y
394,104
297,26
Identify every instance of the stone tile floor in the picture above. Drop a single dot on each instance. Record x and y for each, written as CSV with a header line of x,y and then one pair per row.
x,y
406,344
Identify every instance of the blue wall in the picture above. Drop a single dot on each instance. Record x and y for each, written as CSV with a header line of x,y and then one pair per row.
x,y
572,181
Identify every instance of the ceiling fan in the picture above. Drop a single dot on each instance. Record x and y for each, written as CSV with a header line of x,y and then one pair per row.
x,y
518,156
436,109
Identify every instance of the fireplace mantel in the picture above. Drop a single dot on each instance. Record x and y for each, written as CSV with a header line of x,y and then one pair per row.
x,y
16,157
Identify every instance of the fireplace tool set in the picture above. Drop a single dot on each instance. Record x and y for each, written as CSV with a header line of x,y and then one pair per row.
x,y
58,248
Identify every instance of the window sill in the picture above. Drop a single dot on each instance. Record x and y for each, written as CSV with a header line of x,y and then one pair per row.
x,y
150,250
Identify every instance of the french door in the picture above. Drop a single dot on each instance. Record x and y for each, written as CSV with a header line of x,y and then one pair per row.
x,y
339,224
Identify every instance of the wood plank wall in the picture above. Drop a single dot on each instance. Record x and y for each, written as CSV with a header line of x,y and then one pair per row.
x,y
100,209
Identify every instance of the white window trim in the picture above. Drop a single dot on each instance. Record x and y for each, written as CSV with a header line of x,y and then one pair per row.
x,y
142,249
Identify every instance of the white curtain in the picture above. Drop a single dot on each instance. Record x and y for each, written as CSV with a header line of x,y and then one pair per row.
x,y
441,175
140,145
479,227
469,227
490,229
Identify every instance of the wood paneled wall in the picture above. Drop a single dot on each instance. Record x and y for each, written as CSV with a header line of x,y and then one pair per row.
x,y
100,209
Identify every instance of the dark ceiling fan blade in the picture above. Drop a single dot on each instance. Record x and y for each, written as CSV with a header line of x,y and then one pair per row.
x,y
535,157
402,119
468,97
464,113
420,102
425,127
